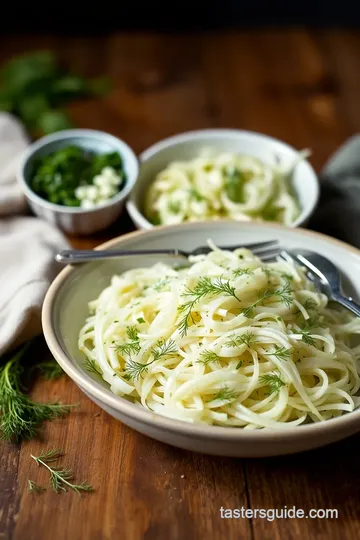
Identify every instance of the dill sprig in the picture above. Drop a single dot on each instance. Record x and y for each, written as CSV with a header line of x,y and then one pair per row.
x,y
281,353
207,356
35,488
242,272
225,395
309,328
286,276
245,339
310,304
91,366
204,287
283,295
21,417
133,345
272,381
162,349
50,370
161,283
60,478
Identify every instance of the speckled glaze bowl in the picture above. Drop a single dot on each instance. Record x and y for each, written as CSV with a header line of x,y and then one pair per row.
x,y
75,220
65,309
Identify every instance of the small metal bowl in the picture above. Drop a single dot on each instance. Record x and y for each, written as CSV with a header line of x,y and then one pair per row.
x,y
76,220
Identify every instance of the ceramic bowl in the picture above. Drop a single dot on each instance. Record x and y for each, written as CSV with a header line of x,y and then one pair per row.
x,y
65,309
75,220
188,146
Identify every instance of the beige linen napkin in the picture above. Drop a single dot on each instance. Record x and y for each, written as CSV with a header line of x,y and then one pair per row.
x,y
27,247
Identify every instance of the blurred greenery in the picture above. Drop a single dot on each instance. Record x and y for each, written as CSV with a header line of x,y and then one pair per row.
x,y
36,89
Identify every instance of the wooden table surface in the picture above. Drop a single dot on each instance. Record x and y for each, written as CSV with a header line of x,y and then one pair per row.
x,y
300,86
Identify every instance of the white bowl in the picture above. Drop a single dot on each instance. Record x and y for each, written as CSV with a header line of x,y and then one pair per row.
x,y
188,145
75,220
65,309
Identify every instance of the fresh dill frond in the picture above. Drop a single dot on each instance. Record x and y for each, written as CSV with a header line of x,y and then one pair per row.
x,y
310,304
21,417
163,348
283,295
242,272
132,333
161,283
134,369
204,287
91,366
286,276
281,353
244,339
207,356
225,395
310,326
133,345
50,369
272,381
267,271
60,478
35,488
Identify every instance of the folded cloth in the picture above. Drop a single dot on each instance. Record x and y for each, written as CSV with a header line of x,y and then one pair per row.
x,y
338,211
27,247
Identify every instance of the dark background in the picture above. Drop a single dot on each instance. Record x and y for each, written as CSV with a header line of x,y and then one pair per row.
x,y
106,16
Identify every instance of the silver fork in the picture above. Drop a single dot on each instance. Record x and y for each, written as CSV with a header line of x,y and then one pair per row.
x,y
324,274
264,250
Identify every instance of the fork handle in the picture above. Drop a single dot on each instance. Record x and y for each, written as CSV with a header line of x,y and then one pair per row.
x,y
347,302
76,256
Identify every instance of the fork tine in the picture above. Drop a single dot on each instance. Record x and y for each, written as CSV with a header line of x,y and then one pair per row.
x,y
269,254
288,257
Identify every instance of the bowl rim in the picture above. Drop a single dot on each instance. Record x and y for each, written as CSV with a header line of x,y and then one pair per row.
x,y
144,416
133,208
86,134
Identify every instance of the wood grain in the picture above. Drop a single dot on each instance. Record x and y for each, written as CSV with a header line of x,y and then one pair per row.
x,y
297,85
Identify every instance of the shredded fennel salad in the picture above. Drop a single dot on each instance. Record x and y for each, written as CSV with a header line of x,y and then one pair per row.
x,y
228,341
224,185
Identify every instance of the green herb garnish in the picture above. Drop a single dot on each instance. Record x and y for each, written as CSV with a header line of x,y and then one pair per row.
x,y
35,488
91,366
272,381
133,345
34,88
225,395
162,349
206,357
234,184
56,176
50,370
242,272
21,417
204,287
59,478
281,353
245,339
283,295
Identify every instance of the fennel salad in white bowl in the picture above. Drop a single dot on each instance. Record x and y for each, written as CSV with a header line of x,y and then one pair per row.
x,y
222,174
228,355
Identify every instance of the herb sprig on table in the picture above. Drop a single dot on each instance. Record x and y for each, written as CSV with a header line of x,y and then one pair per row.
x,y
20,416
35,88
60,478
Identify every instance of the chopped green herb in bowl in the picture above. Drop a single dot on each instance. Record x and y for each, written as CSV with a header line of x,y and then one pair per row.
x,y
78,179
73,176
